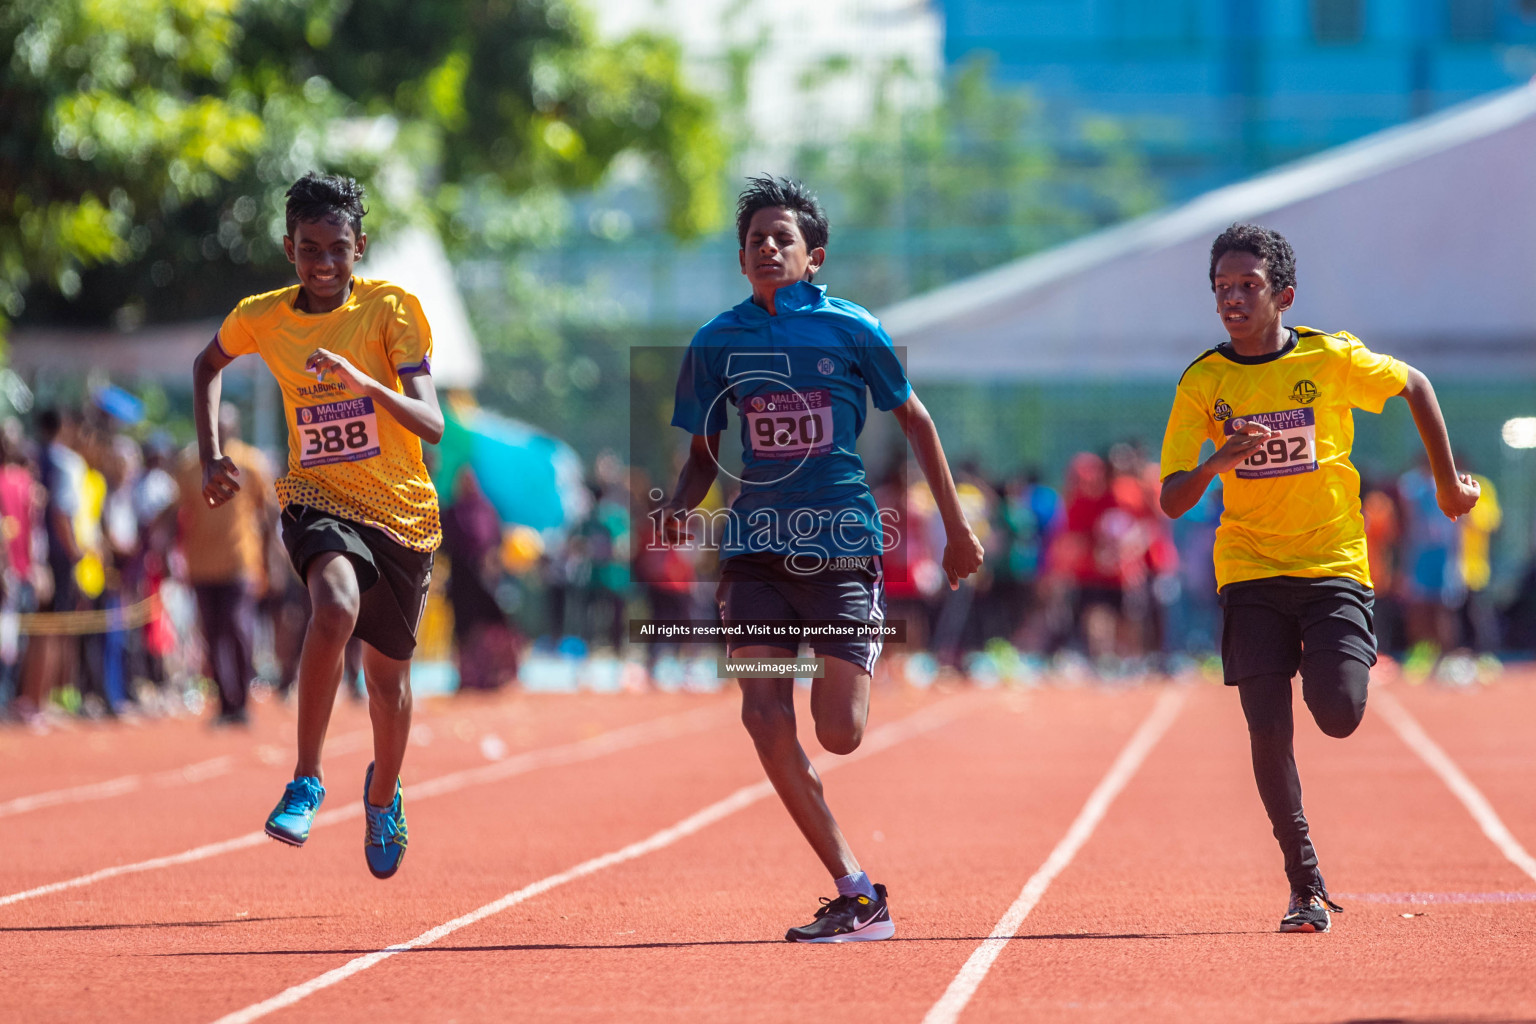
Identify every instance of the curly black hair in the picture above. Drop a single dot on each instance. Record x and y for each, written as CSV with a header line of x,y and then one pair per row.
x,y
1267,244
766,191
317,197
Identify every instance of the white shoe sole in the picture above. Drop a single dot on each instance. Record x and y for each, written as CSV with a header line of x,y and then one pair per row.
x,y
869,933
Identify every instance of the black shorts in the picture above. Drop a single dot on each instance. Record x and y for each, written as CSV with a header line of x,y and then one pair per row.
x,y
762,586
1266,622
392,577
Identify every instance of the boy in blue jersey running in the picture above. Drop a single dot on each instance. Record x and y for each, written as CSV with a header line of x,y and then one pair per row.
x,y
803,540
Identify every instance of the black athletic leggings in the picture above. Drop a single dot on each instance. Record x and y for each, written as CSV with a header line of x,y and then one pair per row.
x,y
1333,684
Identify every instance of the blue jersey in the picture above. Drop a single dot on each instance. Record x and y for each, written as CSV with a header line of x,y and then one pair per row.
x,y
798,381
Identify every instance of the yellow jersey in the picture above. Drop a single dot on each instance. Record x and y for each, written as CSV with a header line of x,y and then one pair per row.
x,y
344,457
1293,507
1477,529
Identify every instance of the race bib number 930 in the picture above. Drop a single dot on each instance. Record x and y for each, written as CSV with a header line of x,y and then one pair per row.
x,y
1292,450
336,432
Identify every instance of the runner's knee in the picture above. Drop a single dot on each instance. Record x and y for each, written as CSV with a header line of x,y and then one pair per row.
x,y
1334,686
333,619
390,689
333,596
1266,704
839,737
766,718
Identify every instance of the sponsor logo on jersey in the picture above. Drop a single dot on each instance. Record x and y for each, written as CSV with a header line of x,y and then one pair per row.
x,y
825,366
1305,392
1221,410
322,388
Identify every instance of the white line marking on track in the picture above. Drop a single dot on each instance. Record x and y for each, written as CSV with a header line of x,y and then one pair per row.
x,y
117,787
953,1002
1411,733
73,795
624,738
877,740
202,770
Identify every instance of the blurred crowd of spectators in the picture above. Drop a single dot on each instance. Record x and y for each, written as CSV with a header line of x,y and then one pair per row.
x,y
144,592
170,605
1084,569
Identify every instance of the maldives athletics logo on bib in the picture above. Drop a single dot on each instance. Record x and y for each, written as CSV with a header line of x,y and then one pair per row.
x,y
1304,393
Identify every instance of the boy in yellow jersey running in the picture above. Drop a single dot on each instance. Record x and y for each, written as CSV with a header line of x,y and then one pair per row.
x,y
360,515
1290,554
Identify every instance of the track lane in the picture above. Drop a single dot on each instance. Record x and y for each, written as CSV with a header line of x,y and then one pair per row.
x,y
68,842
695,931
1165,913
1490,733
1170,912
191,943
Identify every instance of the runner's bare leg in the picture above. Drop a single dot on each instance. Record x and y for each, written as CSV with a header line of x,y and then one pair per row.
x,y
840,706
389,705
334,595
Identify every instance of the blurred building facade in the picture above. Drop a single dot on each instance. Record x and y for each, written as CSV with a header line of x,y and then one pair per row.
x,y
1220,89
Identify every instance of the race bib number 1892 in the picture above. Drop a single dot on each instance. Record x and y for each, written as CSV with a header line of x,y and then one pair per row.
x,y
337,432
1292,450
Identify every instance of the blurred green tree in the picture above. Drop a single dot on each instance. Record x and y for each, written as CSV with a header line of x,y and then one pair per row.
x,y
921,197
145,144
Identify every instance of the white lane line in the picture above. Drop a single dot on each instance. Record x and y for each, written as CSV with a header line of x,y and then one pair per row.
x,y
73,795
963,987
337,746
877,740
117,787
1411,733
569,753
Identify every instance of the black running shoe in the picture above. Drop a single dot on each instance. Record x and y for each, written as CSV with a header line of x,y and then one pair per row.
x,y
1309,911
848,919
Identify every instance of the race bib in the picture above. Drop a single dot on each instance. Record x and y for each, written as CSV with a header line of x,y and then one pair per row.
x,y
1293,450
789,424
337,432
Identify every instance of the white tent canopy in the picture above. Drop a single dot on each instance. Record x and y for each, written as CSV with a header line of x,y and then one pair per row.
x,y
1421,240
414,259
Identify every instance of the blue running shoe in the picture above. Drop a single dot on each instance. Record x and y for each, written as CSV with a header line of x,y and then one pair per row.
x,y
386,838
291,819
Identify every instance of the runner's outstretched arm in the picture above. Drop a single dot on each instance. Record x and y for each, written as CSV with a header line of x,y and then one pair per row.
x,y
1455,492
416,410
962,551
693,482
219,471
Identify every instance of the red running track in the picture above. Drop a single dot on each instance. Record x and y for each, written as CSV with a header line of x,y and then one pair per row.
x,y
1165,911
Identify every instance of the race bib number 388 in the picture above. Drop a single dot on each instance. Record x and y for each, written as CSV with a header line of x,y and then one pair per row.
x,y
337,432
789,424
1293,450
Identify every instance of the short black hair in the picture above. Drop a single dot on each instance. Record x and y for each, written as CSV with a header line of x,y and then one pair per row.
x,y
766,192
316,197
1267,244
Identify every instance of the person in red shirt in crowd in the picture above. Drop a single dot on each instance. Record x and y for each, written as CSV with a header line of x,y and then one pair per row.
x,y
1089,557
20,506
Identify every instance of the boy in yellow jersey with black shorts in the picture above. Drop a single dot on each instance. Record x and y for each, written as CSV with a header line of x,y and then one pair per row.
x,y
1290,555
360,514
